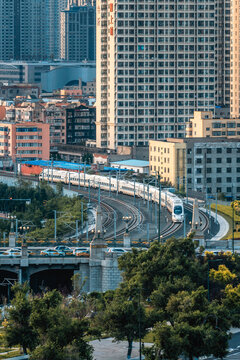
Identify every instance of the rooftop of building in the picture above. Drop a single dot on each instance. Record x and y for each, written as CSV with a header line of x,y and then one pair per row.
x,y
132,162
46,63
56,164
197,140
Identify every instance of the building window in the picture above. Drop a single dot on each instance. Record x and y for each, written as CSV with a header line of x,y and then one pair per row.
x,y
219,180
219,160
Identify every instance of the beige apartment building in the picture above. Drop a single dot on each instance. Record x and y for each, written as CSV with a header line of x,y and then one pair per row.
x,y
167,158
206,165
203,124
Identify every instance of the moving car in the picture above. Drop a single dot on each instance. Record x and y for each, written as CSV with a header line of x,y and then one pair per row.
x,y
84,252
51,252
63,248
118,251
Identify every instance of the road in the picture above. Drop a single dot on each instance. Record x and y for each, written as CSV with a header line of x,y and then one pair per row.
x,y
234,349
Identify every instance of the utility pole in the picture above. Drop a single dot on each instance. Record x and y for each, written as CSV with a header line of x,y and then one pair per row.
x,y
69,181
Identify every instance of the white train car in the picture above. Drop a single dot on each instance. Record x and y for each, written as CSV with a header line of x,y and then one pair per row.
x,y
173,203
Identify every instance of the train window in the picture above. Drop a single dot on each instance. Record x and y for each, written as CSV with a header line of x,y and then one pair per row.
x,y
178,210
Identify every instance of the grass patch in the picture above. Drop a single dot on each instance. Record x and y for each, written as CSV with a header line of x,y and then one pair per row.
x,y
226,212
148,338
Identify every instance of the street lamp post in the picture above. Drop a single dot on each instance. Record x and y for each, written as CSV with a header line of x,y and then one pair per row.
x,y
126,219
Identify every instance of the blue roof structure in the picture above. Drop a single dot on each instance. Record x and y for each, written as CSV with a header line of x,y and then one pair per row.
x,y
56,164
131,162
107,168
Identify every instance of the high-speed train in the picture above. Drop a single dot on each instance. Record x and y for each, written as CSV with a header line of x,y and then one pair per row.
x,y
173,203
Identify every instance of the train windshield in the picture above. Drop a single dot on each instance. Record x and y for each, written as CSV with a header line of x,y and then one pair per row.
x,y
178,210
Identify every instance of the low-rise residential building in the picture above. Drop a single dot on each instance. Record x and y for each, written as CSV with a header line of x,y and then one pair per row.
x,y
80,124
167,159
206,165
19,90
138,166
203,124
24,140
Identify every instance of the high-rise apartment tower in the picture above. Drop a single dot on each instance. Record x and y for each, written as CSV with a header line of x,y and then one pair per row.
x,y
157,62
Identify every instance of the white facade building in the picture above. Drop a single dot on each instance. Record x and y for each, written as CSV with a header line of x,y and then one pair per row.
x,y
157,62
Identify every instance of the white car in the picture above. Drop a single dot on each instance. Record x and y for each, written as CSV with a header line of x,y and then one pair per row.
x,y
13,252
79,249
118,251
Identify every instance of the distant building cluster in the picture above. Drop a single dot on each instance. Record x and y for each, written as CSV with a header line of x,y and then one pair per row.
x,y
44,30
33,129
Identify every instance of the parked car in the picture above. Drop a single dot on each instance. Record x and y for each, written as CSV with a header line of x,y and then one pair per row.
x,y
83,253
118,251
80,249
14,252
51,252
66,249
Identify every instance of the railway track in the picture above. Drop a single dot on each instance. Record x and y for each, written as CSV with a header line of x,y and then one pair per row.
x,y
136,220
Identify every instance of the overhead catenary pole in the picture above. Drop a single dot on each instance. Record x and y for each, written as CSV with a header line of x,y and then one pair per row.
x,y
216,209
69,181
82,216
87,230
184,226
84,174
117,183
51,171
16,229
233,228
115,226
79,177
134,191
55,225
77,229
99,194
110,186
148,197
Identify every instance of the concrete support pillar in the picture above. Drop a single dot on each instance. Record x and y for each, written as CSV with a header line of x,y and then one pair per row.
x,y
126,240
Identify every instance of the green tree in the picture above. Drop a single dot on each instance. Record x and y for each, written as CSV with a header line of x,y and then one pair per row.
x,y
60,334
18,329
124,318
194,328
